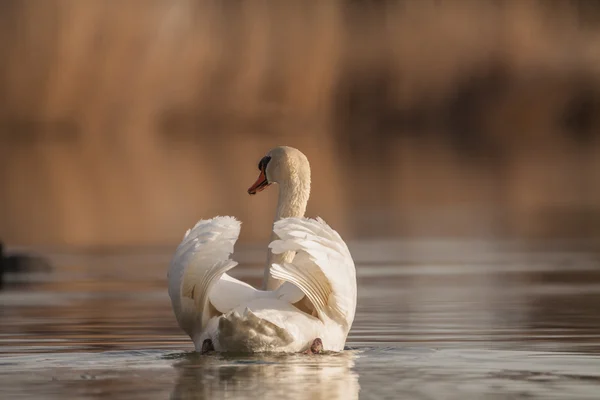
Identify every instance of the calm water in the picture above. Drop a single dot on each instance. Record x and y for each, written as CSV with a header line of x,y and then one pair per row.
x,y
435,320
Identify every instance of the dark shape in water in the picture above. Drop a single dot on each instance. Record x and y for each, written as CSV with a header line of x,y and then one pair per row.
x,y
207,346
15,263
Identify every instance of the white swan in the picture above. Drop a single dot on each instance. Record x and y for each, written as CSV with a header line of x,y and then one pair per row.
x,y
308,299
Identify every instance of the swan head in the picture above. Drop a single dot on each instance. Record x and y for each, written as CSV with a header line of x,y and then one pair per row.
x,y
281,165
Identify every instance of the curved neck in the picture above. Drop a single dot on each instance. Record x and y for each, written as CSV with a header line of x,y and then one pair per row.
x,y
293,197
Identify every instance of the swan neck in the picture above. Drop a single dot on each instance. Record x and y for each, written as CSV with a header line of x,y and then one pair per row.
x,y
293,198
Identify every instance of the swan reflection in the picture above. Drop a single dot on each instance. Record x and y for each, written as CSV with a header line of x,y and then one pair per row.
x,y
329,376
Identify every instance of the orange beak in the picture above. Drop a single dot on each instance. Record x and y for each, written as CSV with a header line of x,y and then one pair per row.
x,y
260,184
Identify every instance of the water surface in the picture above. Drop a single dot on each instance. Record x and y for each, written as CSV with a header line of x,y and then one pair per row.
x,y
434,320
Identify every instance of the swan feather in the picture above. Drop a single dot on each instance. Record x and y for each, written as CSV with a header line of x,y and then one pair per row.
x,y
323,267
199,262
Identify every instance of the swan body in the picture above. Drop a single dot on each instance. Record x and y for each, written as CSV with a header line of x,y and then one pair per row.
x,y
309,289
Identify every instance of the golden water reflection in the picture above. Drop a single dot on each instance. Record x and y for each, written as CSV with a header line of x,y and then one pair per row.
x,y
268,377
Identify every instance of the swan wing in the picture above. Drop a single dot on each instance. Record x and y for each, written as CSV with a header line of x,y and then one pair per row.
x,y
322,268
200,261
229,292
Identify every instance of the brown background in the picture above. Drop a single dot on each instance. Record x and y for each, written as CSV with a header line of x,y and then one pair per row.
x,y
123,122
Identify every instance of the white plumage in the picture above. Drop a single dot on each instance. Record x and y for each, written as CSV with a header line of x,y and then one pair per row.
x,y
311,264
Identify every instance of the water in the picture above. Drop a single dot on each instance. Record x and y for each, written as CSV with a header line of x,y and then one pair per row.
x,y
444,320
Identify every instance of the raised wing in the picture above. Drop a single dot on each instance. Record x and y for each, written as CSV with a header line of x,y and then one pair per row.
x,y
199,262
323,267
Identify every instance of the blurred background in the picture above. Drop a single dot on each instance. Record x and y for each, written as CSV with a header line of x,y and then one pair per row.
x,y
454,144
123,123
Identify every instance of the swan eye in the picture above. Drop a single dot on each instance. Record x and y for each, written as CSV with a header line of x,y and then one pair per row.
x,y
262,164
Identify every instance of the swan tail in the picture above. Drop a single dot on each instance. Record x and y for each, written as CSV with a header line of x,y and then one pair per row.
x,y
246,332
322,268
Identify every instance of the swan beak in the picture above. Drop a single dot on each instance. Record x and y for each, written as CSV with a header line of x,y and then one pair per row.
x,y
260,184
